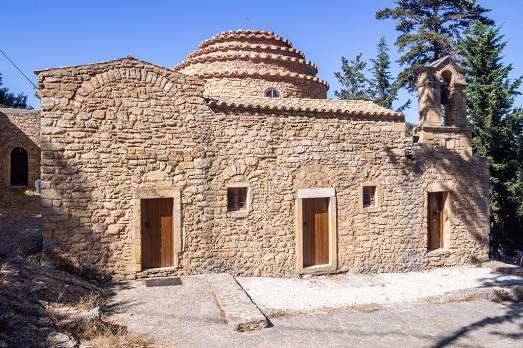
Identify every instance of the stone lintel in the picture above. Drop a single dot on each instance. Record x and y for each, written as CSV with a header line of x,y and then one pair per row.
x,y
445,129
316,193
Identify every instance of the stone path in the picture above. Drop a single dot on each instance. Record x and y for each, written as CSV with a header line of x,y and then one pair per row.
x,y
237,307
187,316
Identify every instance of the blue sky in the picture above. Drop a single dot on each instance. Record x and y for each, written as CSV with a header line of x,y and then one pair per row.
x,y
41,34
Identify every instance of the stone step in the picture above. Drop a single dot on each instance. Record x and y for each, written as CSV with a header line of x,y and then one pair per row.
x,y
236,306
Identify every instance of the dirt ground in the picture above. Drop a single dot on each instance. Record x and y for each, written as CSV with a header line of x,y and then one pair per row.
x,y
41,306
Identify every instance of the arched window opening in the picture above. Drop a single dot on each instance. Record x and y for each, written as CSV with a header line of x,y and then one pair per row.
x,y
272,93
19,167
448,119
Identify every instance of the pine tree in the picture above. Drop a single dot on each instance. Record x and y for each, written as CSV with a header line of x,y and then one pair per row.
x,y
383,89
354,83
498,132
429,29
8,99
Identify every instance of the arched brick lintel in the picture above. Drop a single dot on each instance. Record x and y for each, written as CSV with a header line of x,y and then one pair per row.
x,y
117,74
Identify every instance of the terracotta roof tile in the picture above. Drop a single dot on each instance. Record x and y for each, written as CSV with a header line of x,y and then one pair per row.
x,y
349,107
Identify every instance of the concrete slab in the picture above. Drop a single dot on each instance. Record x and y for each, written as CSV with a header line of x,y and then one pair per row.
x,y
238,310
185,316
284,295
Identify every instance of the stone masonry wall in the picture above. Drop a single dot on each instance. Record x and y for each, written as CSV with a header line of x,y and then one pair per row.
x,y
241,86
111,128
18,128
106,128
279,154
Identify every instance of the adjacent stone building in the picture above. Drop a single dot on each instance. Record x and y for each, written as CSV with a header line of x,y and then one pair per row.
x,y
19,151
235,161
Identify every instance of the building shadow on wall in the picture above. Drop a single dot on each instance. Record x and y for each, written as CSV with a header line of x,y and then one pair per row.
x,y
449,164
70,243
86,262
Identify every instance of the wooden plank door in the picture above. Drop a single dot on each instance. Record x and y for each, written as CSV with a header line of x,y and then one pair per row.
x,y
315,231
157,232
435,220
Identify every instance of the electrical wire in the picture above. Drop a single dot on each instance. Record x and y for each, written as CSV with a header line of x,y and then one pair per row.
x,y
17,68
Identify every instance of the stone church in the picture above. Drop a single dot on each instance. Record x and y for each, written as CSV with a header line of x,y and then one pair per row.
x,y
235,161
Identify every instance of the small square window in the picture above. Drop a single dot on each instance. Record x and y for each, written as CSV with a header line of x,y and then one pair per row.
x,y
236,198
369,196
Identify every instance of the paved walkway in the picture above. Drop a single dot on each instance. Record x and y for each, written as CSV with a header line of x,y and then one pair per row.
x,y
274,295
187,316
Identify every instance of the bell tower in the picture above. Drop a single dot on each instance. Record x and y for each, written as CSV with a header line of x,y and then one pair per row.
x,y
442,105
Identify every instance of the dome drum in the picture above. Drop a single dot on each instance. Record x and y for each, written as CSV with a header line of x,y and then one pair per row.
x,y
248,62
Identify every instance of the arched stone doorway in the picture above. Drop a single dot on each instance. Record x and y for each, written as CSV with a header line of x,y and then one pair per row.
x,y
19,167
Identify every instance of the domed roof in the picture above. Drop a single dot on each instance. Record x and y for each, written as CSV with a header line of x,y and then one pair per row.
x,y
249,62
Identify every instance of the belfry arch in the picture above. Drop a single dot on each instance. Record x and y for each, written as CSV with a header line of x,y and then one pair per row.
x,y
441,95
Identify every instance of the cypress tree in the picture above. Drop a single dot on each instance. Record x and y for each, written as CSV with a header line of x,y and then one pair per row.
x,y
497,132
383,89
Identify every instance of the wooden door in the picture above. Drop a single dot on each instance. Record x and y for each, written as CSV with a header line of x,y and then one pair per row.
x,y
315,231
435,220
157,232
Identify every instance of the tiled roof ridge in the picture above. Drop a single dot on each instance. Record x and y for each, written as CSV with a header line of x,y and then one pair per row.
x,y
244,34
260,73
249,55
228,46
349,107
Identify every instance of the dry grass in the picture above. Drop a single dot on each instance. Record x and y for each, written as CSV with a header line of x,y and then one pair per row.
x,y
30,193
102,334
474,260
4,272
92,300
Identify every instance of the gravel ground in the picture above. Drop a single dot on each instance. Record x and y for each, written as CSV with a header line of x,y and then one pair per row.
x,y
306,294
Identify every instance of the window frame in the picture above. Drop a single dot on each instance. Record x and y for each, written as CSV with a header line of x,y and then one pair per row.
x,y
236,198
270,90
378,197
243,212
371,193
